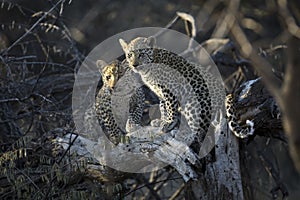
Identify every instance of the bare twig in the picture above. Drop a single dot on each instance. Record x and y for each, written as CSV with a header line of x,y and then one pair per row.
x,y
290,21
262,66
32,27
177,192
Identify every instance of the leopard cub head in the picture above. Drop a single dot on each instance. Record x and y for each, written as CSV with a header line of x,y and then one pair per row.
x,y
138,51
109,72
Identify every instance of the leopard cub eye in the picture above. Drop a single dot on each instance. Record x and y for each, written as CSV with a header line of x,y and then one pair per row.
x,y
108,77
129,55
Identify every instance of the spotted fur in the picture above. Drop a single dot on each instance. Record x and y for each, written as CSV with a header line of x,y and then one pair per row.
x,y
232,118
136,109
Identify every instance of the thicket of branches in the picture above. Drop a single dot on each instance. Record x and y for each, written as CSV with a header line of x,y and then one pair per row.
x,y
40,55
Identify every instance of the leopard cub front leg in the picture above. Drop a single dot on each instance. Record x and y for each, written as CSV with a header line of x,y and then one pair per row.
x,y
169,112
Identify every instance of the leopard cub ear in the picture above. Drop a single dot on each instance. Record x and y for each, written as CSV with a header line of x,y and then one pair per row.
x,y
151,41
123,44
101,64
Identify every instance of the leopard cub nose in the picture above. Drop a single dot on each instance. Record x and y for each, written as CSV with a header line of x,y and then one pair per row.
x,y
135,64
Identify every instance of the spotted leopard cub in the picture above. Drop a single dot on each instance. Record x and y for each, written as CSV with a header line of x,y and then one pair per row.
x,y
181,86
110,75
104,112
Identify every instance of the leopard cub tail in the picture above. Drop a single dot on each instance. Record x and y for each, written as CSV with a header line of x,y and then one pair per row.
x,y
241,131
